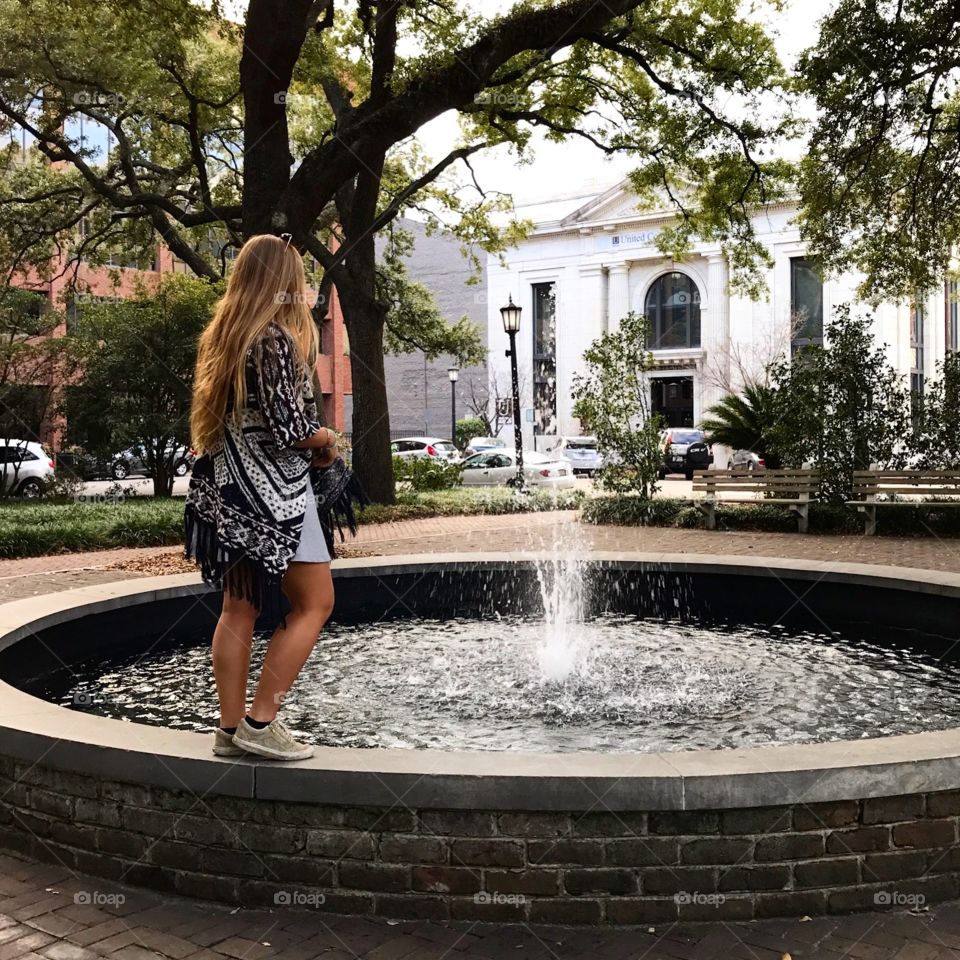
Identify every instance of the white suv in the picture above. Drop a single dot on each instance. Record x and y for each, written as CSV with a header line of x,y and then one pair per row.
x,y
26,469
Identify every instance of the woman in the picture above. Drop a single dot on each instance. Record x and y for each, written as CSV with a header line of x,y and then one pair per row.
x,y
251,517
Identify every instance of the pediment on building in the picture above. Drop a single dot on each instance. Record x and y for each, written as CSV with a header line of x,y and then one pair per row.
x,y
617,203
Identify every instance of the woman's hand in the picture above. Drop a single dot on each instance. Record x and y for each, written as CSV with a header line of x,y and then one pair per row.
x,y
325,456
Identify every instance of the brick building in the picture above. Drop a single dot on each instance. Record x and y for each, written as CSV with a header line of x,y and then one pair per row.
x,y
71,286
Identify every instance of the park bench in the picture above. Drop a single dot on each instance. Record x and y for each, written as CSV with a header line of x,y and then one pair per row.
x,y
870,485
794,488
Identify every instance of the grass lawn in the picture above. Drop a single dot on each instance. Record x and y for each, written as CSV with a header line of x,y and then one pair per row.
x,y
30,529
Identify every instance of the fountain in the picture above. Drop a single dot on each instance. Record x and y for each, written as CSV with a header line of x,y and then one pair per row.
x,y
603,738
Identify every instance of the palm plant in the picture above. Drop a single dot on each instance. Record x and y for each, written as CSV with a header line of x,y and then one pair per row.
x,y
743,421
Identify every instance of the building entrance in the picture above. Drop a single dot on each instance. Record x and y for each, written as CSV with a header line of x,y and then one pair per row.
x,y
672,398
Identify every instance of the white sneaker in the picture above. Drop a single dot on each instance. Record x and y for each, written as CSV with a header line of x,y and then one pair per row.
x,y
223,745
274,741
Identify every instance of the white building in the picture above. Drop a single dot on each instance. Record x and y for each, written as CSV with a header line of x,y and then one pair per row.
x,y
587,264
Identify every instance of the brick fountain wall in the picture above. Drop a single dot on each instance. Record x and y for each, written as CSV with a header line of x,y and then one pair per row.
x,y
571,868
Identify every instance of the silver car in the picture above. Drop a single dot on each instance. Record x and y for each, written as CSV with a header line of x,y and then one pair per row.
x,y
27,468
582,452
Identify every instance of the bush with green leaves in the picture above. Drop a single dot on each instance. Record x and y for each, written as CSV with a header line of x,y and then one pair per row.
x,y
138,360
936,442
632,511
612,401
426,473
841,407
467,429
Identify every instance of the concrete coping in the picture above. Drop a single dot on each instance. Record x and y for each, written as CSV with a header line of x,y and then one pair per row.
x,y
37,732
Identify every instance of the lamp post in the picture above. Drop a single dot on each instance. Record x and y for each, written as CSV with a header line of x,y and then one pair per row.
x,y
453,373
511,324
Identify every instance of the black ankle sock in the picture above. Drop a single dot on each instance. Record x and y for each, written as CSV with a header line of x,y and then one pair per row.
x,y
229,730
257,724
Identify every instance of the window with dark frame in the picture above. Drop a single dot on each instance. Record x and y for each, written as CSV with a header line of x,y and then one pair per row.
x,y
672,308
952,308
544,357
806,305
917,382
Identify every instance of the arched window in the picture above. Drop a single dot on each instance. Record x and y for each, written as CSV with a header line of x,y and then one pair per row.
x,y
673,309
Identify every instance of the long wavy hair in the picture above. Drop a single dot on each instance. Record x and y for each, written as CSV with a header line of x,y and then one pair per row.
x,y
266,285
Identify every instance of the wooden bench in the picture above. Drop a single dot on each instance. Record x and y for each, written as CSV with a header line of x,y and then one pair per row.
x,y
794,488
869,485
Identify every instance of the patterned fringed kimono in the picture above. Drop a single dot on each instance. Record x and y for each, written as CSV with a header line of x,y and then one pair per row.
x,y
247,497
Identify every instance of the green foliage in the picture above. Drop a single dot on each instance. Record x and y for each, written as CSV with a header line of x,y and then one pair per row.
x,y
426,473
32,362
936,442
632,511
467,429
38,529
879,181
139,356
744,421
841,407
612,401
31,530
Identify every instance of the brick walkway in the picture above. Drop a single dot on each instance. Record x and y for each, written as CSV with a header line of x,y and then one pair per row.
x,y
57,914
53,913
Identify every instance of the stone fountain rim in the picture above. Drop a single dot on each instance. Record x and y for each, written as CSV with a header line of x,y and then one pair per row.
x,y
34,731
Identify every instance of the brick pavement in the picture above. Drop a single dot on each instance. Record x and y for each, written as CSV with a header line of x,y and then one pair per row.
x,y
58,914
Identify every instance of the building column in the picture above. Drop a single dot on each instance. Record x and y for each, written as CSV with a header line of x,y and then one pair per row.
x,y
619,297
716,339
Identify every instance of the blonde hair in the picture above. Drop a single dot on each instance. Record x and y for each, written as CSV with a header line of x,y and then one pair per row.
x,y
266,286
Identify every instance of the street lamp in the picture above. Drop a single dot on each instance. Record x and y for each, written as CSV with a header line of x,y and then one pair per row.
x,y
511,324
453,373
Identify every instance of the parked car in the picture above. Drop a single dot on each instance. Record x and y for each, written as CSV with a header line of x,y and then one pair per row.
x,y
481,444
746,460
26,469
424,447
684,450
499,468
133,460
582,452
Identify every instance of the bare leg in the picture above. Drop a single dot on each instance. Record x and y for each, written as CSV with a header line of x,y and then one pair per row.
x,y
309,588
232,640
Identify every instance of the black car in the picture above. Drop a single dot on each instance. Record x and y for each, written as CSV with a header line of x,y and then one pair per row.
x,y
685,450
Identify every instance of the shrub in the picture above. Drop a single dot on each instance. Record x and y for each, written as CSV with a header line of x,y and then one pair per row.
x,y
467,429
632,511
426,473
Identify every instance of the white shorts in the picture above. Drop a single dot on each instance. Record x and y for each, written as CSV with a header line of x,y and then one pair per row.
x,y
313,544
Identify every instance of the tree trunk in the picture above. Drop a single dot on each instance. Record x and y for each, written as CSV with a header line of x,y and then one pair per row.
x,y
372,460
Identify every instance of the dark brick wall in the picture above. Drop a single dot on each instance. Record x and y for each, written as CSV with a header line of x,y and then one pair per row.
x,y
578,868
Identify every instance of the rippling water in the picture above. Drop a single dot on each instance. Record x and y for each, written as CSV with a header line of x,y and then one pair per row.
x,y
481,685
